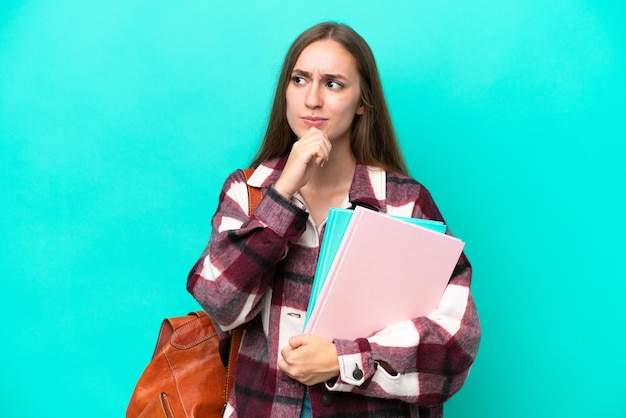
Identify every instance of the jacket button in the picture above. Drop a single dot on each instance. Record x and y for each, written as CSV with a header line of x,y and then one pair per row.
x,y
327,400
357,373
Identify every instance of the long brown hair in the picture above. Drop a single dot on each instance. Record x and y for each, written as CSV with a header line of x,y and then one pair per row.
x,y
373,138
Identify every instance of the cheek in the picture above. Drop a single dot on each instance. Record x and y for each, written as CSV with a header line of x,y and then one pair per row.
x,y
292,117
290,110
347,109
289,107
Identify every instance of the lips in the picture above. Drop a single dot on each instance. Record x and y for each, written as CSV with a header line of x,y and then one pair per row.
x,y
314,121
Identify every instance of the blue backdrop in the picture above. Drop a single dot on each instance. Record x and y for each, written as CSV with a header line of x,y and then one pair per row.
x,y
119,120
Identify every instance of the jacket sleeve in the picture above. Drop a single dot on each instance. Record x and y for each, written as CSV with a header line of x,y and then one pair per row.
x,y
422,360
237,266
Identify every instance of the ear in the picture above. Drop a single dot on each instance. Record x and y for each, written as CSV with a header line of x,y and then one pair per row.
x,y
360,110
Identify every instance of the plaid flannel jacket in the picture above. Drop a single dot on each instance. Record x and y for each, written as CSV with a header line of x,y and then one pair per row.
x,y
257,272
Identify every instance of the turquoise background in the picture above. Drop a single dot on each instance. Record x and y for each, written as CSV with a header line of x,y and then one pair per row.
x,y
119,121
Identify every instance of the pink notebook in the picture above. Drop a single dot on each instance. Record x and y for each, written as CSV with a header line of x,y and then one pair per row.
x,y
386,270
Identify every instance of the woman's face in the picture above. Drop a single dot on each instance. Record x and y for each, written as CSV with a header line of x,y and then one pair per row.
x,y
324,91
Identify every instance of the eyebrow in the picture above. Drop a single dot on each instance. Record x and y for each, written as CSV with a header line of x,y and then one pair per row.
x,y
325,76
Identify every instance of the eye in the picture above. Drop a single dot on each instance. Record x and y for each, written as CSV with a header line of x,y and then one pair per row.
x,y
334,85
297,80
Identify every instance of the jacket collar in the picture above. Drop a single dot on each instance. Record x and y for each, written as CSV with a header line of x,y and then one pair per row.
x,y
368,184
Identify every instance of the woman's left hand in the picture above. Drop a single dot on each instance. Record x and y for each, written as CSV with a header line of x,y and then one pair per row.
x,y
309,359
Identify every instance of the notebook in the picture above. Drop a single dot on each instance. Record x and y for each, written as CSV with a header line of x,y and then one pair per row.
x,y
385,270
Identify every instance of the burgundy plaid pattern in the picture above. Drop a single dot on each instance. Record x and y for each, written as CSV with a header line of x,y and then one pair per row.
x,y
257,272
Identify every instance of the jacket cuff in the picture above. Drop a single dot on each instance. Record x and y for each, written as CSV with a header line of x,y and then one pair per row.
x,y
281,215
355,364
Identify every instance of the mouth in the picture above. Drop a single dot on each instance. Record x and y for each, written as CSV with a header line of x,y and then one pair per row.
x,y
314,121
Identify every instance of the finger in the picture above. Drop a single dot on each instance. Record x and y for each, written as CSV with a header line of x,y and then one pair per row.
x,y
296,341
313,131
317,145
282,365
311,141
286,351
314,152
315,135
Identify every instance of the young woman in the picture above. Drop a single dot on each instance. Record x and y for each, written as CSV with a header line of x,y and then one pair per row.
x,y
329,143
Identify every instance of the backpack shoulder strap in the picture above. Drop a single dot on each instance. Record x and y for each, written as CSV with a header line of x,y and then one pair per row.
x,y
254,193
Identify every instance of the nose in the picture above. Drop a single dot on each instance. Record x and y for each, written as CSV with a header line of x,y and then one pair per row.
x,y
313,98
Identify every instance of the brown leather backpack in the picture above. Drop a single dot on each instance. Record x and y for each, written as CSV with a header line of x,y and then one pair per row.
x,y
186,376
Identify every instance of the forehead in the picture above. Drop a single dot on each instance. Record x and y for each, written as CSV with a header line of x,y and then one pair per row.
x,y
326,56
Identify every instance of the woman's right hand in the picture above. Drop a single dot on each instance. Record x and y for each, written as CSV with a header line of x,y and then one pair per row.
x,y
308,153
